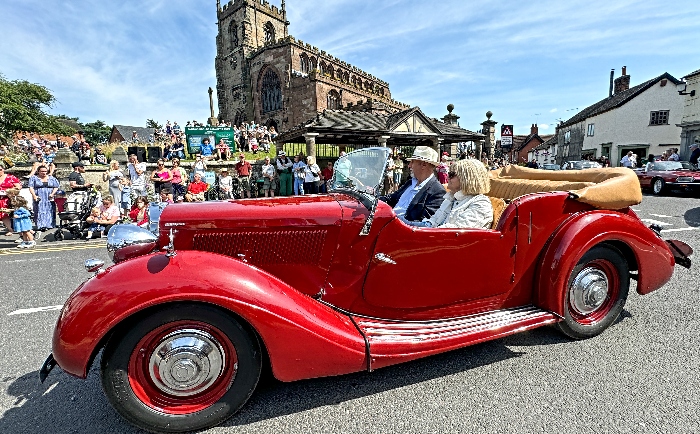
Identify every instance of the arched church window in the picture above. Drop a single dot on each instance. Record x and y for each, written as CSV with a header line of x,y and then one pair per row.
x,y
271,92
304,63
233,34
333,100
322,67
346,77
330,71
312,63
269,33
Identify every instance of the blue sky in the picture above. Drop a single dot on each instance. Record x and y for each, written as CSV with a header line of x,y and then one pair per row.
x,y
526,61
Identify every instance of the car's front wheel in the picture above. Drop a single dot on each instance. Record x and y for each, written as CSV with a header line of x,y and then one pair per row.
x,y
597,292
658,186
182,368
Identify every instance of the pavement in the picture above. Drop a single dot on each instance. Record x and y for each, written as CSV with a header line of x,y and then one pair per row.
x,y
639,376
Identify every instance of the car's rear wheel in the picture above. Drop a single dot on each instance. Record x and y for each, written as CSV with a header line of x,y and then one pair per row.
x,y
596,293
182,368
58,235
658,186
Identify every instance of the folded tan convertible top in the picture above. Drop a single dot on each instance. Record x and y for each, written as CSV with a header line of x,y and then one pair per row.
x,y
606,188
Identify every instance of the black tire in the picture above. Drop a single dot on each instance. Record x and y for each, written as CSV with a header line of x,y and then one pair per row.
x,y
58,235
658,186
600,264
129,355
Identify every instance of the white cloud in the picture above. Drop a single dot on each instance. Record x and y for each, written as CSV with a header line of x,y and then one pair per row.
x,y
543,126
553,110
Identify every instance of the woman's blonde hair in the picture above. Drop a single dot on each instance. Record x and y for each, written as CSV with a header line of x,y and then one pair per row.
x,y
113,164
311,159
473,177
109,198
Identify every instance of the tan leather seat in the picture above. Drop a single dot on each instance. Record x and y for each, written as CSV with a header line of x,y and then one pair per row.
x,y
499,205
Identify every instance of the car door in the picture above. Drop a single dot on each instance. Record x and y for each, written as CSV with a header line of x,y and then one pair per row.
x,y
414,268
645,177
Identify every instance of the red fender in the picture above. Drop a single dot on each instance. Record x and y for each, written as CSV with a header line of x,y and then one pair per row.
x,y
304,338
578,235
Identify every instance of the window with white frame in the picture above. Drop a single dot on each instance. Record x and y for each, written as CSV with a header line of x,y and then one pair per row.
x,y
591,130
658,117
567,137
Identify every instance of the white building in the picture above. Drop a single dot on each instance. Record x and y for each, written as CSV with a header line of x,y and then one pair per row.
x,y
643,119
690,122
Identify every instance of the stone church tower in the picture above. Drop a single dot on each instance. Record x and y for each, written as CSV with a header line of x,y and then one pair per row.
x,y
265,75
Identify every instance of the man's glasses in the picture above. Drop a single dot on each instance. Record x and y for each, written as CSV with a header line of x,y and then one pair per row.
x,y
451,174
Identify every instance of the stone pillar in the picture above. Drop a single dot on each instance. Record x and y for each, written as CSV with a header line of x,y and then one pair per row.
x,y
382,140
213,121
120,155
489,131
63,160
310,143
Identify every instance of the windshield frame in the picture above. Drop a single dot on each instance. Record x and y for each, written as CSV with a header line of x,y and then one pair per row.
x,y
347,180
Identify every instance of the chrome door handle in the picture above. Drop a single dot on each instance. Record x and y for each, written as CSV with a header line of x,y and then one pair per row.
x,y
384,258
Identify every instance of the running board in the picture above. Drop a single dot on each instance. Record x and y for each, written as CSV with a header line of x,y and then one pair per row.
x,y
390,342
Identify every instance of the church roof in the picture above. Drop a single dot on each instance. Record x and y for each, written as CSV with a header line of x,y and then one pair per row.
x,y
351,126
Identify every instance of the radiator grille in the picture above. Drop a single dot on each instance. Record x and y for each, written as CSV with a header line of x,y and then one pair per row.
x,y
270,247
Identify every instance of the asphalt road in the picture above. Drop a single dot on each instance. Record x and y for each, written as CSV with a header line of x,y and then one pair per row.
x,y
640,376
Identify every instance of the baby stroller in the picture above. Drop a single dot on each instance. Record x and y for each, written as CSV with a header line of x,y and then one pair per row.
x,y
75,213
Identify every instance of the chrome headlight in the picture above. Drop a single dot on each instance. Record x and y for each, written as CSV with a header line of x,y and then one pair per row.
x,y
127,241
685,179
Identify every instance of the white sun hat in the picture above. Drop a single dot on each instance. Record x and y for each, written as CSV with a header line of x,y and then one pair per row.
x,y
425,153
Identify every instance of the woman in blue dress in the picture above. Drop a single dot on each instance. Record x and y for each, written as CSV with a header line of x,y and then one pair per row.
x,y
43,188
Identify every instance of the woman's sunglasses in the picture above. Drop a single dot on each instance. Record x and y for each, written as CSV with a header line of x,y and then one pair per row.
x,y
451,174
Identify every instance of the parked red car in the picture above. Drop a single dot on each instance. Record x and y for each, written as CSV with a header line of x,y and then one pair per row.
x,y
665,175
331,284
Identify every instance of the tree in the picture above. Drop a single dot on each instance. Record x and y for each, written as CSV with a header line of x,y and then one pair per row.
x,y
96,132
22,108
150,123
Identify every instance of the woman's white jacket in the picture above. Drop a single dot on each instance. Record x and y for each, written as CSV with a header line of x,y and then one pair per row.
x,y
460,210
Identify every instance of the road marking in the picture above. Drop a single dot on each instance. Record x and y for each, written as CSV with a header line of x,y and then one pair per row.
x,y
657,222
32,260
679,230
16,251
35,309
662,216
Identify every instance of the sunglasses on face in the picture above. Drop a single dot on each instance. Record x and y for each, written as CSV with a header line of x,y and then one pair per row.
x,y
451,174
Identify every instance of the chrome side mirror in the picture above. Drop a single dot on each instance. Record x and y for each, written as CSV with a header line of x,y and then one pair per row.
x,y
126,241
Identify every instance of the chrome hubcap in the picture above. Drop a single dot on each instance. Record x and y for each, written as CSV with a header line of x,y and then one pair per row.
x,y
657,186
588,291
186,362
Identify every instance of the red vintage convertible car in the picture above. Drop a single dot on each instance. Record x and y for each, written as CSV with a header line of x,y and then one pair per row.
x,y
666,175
331,284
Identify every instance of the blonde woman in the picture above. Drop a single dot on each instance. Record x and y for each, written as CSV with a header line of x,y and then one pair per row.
x,y
464,205
114,176
312,176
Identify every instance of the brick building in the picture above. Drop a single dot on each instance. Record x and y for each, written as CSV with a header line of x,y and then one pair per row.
x,y
523,144
265,75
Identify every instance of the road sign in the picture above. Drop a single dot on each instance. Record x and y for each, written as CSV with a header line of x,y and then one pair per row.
x,y
506,136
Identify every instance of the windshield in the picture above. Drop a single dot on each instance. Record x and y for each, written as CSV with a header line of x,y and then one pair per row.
x,y
671,165
360,171
588,165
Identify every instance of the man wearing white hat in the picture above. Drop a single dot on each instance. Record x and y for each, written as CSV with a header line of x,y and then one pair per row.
x,y
422,194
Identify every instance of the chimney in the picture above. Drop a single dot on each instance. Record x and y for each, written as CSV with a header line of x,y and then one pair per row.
x,y
612,77
534,129
622,83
